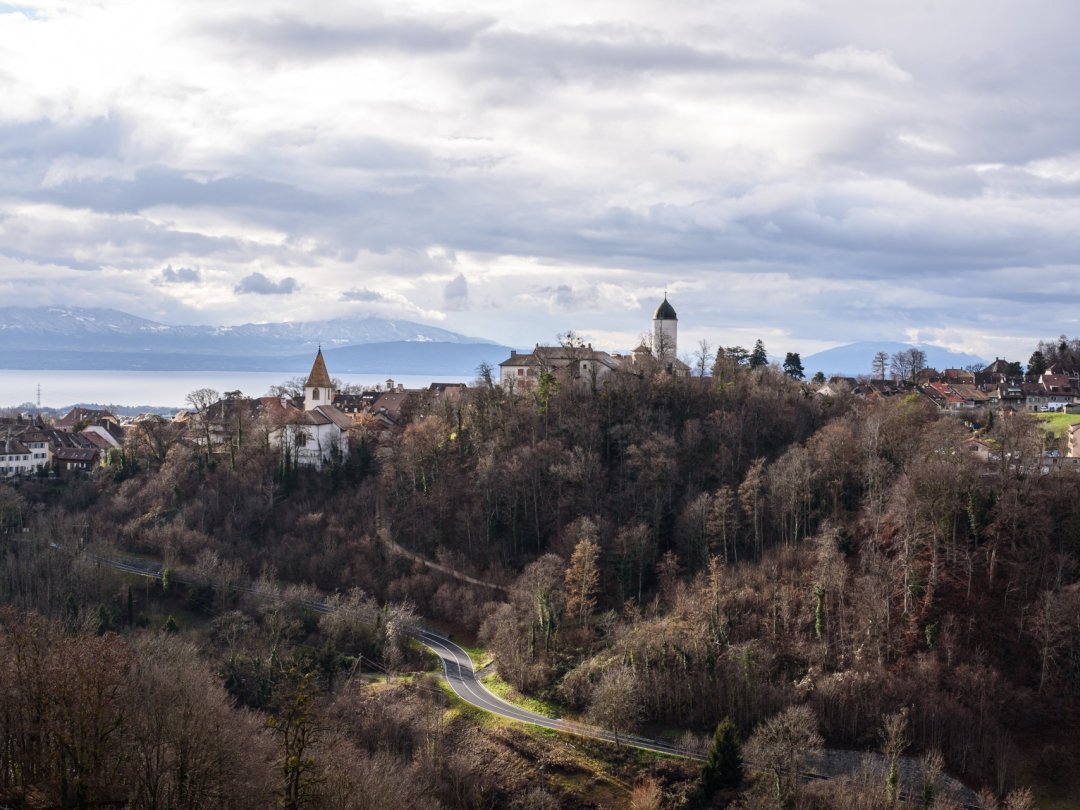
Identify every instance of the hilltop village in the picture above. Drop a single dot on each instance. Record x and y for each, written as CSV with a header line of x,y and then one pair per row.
x,y
315,424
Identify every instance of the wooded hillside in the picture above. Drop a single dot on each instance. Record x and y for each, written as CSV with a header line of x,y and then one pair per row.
x,y
688,550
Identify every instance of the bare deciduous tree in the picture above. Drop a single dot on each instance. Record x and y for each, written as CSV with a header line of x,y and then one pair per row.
x,y
893,742
615,702
780,746
880,365
202,400
583,578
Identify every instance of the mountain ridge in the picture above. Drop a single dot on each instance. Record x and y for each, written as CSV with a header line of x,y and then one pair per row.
x,y
855,359
61,323
110,339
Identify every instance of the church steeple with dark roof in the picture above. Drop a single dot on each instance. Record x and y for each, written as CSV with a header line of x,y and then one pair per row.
x,y
665,332
318,390
665,312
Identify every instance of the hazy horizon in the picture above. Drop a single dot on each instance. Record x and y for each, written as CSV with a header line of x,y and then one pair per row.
x,y
162,389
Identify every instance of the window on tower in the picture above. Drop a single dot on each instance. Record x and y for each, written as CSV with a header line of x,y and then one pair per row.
x,y
315,393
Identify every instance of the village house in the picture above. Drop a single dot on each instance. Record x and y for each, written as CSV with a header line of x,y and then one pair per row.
x,y
31,447
15,457
78,418
76,459
36,438
998,386
105,434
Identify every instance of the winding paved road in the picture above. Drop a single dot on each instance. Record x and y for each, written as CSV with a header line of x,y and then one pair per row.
x,y
458,668
460,675
456,663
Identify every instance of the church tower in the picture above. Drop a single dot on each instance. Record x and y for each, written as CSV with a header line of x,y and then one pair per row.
x,y
665,326
318,390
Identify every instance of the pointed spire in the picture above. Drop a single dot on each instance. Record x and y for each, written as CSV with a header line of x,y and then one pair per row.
x,y
319,376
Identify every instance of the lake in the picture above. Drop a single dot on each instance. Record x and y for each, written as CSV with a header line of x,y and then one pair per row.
x,y
160,388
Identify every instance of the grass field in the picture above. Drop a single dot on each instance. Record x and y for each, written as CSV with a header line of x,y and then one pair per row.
x,y
1058,422
480,657
504,690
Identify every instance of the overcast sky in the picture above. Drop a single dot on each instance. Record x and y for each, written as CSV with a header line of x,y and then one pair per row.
x,y
810,173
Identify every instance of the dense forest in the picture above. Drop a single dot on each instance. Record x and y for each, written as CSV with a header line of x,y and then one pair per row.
x,y
662,554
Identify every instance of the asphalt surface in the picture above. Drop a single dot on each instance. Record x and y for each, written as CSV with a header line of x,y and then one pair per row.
x,y
460,675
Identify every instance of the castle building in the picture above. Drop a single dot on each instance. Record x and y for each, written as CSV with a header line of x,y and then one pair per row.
x,y
588,366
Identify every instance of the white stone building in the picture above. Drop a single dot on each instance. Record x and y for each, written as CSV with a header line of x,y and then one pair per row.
x,y
318,434
15,458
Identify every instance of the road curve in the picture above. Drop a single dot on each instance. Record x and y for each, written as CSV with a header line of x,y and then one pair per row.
x,y
460,675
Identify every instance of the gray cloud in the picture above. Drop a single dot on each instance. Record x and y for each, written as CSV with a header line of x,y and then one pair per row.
x,y
287,36
361,294
181,275
43,138
161,185
456,293
259,284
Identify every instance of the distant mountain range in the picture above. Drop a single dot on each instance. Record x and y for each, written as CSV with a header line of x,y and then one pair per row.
x,y
107,339
856,359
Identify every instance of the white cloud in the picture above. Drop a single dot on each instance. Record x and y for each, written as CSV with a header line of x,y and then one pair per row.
x,y
811,172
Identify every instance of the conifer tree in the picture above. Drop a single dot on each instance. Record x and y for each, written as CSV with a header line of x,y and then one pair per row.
x,y
759,358
723,770
793,366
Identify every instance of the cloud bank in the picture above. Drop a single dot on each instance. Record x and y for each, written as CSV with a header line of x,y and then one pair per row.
x,y
810,173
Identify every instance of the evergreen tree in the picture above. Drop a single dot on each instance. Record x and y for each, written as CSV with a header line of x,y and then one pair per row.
x,y
1037,364
723,770
819,377
793,366
737,354
758,357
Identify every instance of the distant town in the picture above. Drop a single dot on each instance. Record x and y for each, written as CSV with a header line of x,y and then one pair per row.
x,y
315,420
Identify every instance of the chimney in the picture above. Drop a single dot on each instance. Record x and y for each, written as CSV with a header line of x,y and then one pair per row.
x,y
513,352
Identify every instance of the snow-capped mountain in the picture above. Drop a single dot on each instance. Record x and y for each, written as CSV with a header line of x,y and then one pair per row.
x,y
71,337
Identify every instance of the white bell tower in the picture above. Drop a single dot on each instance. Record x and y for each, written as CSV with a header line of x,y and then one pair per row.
x,y
318,390
665,332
